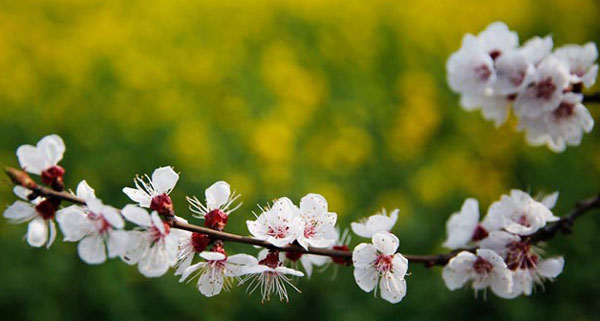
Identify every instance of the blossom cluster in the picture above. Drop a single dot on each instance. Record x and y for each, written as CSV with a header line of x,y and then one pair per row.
x,y
492,73
505,260
296,239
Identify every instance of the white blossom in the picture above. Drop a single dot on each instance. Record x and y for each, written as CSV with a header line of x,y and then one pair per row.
x,y
318,223
39,212
461,226
45,155
97,227
268,274
153,246
550,80
562,126
379,264
518,213
581,62
147,189
484,269
279,225
379,222
215,273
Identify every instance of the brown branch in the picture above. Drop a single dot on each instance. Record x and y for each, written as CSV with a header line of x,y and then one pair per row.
x,y
592,98
19,177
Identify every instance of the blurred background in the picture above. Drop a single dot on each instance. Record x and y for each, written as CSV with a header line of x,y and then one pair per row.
x,y
280,98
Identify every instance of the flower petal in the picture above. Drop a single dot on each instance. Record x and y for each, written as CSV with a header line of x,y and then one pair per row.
x,y
392,287
212,256
85,191
51,148
117,243
92,250
217,195
37,232
386,242
366,278
164,179
210,283
138,196
154,262
361,230
137,215
311,204
364,255
20,212
52,236
74,223
551,268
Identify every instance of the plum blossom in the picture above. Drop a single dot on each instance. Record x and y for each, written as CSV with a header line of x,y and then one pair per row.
x,y
279,225
518,213
380,262
463,227
580,61
97,227
550,80
153,246
43,159
154,192
526,265
375,223
484,269
218,269
39,212
562,126
189,245
268,273
219,200
318,223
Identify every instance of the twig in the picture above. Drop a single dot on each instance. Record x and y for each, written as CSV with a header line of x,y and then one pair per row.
x,y
592,98
19,177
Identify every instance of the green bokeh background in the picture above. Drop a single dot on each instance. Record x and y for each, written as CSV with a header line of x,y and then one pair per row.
x,y
280,98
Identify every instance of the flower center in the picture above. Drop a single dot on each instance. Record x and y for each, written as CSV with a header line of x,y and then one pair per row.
x,y
162,204
156,235
199,242
383,263
520,256
480,233
564,110
310,231
216,219
545,89
53,177
482,266
102,224
47,208
517,78
279,232
483,72
495,54
523,220
272,260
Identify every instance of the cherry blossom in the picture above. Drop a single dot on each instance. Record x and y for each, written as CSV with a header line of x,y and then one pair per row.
x,y
39,212
518,213
269,274
154,192
380,262
463,227
279,225
375,223
96,227
215,273
580,61
153,246
565,125
216,212
43,159
318,222
484,269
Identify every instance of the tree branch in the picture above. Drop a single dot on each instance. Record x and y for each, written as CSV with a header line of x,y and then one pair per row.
x,y
19,177
592,98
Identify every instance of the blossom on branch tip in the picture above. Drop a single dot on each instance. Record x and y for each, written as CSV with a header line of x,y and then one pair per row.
x,y
97,227
153,246
154,192
379,222
518,213
219,200
279,225
379,264
484,269
39,212
43,159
